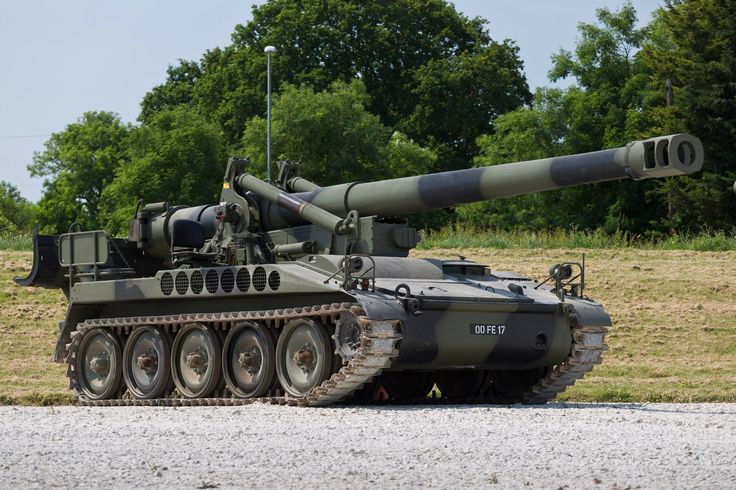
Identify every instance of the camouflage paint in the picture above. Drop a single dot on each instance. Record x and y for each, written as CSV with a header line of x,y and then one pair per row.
x,y
447,320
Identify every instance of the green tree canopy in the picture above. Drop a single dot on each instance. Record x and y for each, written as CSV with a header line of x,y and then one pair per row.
x,y
393,47
178,90
539,131
78,163
695,48
177,157
458,98
593,114
367,90
606,65
16,213
334,136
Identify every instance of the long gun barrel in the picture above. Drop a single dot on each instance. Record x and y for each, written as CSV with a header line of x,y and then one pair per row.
x,y
665,156
294,204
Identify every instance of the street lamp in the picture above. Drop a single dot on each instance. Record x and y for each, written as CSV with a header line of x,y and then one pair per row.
x,y
269,50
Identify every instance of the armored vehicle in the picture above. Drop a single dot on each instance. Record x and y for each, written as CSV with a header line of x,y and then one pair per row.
x,y
307,295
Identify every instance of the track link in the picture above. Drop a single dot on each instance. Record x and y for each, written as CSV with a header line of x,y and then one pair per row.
x,y
378,348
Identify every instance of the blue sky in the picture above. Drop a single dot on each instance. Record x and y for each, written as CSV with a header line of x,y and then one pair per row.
x,y
61,59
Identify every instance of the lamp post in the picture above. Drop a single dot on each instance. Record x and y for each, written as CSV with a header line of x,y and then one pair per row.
x,y
269,50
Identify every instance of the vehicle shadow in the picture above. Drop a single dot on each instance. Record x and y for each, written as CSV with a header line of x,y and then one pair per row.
x,y
441,405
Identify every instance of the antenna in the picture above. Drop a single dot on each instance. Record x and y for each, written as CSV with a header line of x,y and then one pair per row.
x,y
269,50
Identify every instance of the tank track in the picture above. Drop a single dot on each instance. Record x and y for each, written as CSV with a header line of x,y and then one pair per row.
x,y
588,347
378,349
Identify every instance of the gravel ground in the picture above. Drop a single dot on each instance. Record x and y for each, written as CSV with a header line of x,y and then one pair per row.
x,y
555,446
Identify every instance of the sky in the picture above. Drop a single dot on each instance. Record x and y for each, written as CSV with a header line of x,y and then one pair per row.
x,y
61,59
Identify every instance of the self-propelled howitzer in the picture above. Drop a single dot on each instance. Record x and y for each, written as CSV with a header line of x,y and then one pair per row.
x,y
306,294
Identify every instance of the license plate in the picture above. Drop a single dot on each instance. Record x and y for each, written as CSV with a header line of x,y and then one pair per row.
x,y
487,329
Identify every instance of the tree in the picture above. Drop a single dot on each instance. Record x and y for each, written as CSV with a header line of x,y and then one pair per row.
x,y
178,157
695,48
322,41
540,131
334,136
405,158
389,46
606,65
458,99
178,90
594,114
16,213
78,164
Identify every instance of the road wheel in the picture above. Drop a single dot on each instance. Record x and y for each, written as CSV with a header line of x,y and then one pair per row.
x,y
460,384
146,360
304,356
99,365
509,386
195,360
248,360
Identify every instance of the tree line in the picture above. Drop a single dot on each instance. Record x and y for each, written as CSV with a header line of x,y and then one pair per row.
x,y
369,90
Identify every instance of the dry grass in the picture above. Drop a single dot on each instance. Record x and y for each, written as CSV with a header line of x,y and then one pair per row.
x,y
674,335
29,319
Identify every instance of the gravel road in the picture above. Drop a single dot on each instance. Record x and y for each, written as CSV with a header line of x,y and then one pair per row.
x,y
555,446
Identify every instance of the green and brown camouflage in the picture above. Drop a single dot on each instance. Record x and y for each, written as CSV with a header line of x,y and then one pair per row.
x,y
308,292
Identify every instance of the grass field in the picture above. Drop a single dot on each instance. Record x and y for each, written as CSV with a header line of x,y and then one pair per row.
x,y
29,319
674,314
461,236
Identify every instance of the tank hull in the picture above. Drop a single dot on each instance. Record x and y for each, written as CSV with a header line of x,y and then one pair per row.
x,y
457,323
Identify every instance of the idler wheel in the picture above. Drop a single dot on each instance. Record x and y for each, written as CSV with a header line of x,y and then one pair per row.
x,y
347,336
407,385
98,365
248,360
146,360
509,386
195,360
303,356
460,384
